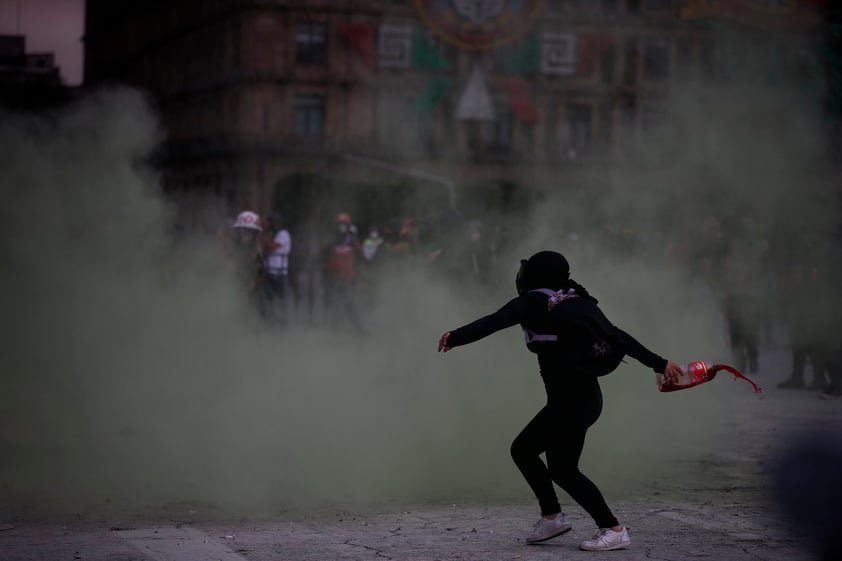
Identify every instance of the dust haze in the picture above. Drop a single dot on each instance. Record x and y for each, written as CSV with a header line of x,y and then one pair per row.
x,y
135,373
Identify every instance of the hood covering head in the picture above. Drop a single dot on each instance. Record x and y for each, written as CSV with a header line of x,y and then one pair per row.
x,y
545,269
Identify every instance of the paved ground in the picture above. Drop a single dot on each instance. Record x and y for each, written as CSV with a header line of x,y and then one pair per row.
x,y
724,514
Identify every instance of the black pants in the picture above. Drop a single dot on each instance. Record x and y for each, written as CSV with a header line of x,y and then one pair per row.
x,y
818,359
341,298
276,292
559,431
834,370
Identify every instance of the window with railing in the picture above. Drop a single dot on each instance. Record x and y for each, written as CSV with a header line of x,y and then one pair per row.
x,y
685,64
656,60
579,128
309,116
501,130
311,42
607,64
630,54
473,136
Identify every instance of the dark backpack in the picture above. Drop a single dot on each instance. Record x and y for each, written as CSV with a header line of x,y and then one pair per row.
x,y
595,347
605,352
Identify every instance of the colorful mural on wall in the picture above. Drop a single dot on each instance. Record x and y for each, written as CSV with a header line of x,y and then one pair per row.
x,y
479,24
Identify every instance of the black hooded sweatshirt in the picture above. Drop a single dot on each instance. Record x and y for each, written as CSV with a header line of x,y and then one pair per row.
x,y
573,339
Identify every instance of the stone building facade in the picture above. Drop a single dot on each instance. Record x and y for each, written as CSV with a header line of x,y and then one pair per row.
x,y
272,103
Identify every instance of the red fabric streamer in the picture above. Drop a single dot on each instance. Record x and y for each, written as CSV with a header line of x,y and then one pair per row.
x,y
362,37
518,94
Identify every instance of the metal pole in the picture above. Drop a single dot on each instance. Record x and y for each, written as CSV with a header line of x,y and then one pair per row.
x,y
416,174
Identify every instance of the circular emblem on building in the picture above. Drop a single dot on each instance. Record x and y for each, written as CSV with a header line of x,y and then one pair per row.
x,y
479,24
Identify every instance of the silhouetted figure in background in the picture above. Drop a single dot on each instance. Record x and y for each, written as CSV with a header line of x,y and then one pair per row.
x,y
799,292
371,262
479,253
744,295
341,273
446,243
243,252
371,245
829,315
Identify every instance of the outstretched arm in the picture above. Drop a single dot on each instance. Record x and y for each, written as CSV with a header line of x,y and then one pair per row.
x,y
637,351
507,316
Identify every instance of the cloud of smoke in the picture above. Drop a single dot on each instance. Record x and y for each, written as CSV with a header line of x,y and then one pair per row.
x,y
733,165
134,369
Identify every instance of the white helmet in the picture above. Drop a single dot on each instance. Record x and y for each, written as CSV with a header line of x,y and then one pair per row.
x,y
248,219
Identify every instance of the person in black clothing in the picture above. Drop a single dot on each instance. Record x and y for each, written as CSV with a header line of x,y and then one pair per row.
x,y
575,344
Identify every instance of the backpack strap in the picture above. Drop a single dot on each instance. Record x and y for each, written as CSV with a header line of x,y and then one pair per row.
x,y
530,336
556,296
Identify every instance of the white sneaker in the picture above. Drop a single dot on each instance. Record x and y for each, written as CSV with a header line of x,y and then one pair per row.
x,y
544,529
607,539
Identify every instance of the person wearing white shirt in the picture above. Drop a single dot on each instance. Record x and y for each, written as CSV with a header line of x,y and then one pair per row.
x,y
277,247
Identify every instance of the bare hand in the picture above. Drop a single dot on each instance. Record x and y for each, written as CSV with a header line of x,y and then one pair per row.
x,y
443,346
673,372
